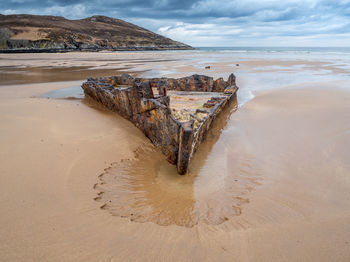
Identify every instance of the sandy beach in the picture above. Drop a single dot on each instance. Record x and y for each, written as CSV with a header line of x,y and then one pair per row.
x,y
271,182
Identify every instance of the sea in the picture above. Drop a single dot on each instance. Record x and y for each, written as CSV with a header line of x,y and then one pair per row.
x,y
265,68
260,69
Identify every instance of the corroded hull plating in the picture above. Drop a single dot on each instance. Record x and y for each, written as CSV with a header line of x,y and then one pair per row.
x,y
177,133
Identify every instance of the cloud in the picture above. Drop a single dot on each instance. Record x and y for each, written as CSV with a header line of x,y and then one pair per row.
x,y
212,22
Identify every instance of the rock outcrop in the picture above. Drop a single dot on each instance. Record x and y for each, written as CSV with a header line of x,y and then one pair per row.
x,y
34,33
176,129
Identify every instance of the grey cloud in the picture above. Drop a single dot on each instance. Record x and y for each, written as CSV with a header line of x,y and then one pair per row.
x,y
210,21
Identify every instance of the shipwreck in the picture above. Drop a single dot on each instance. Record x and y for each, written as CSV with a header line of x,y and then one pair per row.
x,y
175,114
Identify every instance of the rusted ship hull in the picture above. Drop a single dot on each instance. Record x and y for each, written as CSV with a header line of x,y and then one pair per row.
x,y
175,114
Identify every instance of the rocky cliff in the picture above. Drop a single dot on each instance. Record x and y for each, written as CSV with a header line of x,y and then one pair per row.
x,y
33,33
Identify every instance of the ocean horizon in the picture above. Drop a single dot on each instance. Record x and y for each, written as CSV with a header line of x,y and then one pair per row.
x,y
274,49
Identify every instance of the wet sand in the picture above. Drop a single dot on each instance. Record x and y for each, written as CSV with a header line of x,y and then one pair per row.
x,y
42,67
271,183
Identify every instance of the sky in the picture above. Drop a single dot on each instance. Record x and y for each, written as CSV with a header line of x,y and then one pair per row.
x,y
214,23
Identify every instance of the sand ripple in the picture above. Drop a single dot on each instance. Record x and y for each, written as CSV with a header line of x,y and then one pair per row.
x,y
148,189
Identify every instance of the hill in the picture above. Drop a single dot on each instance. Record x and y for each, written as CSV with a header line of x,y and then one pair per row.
x,y
34,33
